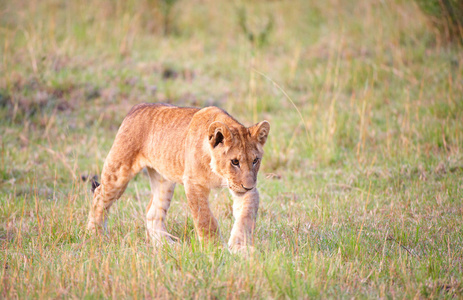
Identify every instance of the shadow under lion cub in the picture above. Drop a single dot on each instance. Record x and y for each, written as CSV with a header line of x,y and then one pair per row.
x,y
199,148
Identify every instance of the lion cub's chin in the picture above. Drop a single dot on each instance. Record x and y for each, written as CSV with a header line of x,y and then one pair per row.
x,y
238,193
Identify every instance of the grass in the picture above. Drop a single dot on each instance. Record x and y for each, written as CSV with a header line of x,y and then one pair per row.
x,y
361,185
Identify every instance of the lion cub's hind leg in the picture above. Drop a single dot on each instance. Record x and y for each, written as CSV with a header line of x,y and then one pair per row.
x,y
162,191
115,177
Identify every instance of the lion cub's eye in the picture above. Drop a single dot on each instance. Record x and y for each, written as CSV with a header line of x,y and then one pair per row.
x,y
235,162
255,161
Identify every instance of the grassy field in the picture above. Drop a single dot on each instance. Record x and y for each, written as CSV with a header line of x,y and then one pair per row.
x,y
361,184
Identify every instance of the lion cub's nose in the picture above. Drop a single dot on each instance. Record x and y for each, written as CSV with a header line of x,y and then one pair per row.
x,y
247,189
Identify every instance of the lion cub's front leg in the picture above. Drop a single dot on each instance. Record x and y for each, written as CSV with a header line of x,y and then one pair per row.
x,y
205,223
245,209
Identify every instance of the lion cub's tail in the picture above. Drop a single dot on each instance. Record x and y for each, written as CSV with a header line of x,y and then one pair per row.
x,y
95,184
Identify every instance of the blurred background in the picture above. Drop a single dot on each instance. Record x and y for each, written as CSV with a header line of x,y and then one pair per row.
x,y
337,79
365,104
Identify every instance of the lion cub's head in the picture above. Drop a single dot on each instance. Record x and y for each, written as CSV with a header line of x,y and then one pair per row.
x,y
236,153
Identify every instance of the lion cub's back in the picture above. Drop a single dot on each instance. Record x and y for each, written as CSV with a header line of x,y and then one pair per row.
x,y
160,114
157,122
157,132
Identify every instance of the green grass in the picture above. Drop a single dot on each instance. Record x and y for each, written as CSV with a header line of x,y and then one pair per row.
x,y
361,197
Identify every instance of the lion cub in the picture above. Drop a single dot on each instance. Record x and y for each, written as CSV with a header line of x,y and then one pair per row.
x,y
199,148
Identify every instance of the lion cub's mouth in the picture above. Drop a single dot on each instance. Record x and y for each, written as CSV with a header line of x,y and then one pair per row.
x,y
238,190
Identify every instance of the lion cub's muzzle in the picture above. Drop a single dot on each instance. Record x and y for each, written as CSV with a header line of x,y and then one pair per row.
x,y
247,188
241,189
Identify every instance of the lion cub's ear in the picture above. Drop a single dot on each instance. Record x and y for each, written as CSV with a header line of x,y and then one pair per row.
x,y
219,133
260,131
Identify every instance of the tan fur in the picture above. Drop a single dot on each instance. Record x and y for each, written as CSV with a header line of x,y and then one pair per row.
x,y
190,146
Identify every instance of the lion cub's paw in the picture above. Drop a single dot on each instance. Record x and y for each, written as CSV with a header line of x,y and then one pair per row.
x,y
242,249
159,243
95,229
161,240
